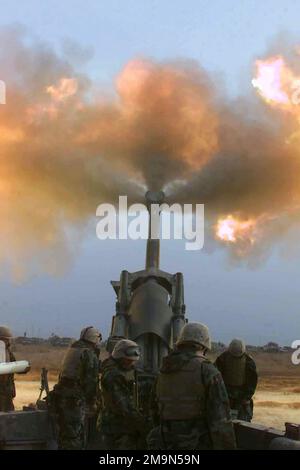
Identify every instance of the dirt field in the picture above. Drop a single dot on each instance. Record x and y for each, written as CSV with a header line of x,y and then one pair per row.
x,y
277,399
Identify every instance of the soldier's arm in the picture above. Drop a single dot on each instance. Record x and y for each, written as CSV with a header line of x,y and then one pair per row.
x,y
218,409
115,385
89,375
219,363
251,378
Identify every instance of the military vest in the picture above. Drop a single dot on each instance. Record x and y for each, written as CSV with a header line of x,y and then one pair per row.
x,y
181,393
234,371
71,362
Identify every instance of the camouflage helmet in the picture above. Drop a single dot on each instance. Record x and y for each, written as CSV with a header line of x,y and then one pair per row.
x,y
237,347
91,334
5,332
126,349
195,333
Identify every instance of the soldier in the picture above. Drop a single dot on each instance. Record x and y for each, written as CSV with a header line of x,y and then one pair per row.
x,y
7,382
190,399
121,426
238,370
75,398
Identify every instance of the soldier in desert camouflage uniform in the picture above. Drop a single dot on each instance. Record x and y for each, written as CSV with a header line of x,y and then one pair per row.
x,y
75,398
7,382
238,370
121,426
189,399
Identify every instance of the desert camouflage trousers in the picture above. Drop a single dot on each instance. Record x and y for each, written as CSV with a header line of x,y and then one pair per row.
x,y
117,442
116,433
179,435
71,423
241,409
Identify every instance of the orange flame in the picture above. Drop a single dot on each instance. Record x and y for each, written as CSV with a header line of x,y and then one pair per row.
x,y
271,77
231,229
277,84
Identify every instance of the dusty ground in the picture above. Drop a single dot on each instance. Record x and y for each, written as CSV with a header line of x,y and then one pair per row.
x,y
277,399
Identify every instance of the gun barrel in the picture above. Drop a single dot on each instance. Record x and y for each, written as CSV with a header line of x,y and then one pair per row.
x,y
154,199
152,254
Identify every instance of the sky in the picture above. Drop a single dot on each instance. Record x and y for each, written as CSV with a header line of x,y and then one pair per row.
x,y
225,37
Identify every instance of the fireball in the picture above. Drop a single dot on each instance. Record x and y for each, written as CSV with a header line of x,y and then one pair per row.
x,y
232,230
272,76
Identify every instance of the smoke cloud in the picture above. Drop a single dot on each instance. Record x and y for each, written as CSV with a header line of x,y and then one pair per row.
x,y
67,144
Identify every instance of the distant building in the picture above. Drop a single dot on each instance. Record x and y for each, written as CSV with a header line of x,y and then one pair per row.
x,y
272,347
57,341
54,340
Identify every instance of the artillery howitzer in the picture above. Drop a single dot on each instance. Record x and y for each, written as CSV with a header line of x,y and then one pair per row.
x,y
150,310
